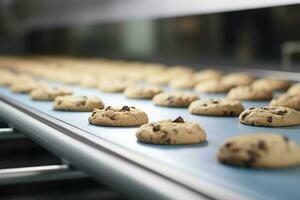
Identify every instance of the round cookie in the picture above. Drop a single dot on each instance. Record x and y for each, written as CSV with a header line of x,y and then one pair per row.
x,y
294,89
216,107
262,150
25,86
207,74
174,99
77,103
237,79
118,116
49,94
115,85
249,93
272,84
272,116
183,82
287,100
171,132
212,86
142,92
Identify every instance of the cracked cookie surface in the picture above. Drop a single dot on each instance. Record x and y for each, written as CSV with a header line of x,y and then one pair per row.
x,y
272,116
118,116
177,131
263,150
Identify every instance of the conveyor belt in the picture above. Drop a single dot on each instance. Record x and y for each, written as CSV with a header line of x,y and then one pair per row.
x,y
192,167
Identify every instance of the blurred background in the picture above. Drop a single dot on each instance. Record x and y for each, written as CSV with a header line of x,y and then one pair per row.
x,y
267,38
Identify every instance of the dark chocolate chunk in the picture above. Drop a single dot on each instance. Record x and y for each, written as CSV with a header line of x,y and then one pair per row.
x,y
132,107
107,108
262,145
125,108
156,128
204,105
244,116
231,113
179,120
228,144
59,102
286,139
215,101
251,108
93,113
269,119
281,112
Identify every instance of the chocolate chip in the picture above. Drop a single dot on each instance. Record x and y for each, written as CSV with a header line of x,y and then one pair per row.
x,y
286,139
204,105
231,113
228,144
125,108
215,101
132,107
262,145
156,128
269,119
281,112
252,158
179,120
107,108
244,116
251,108
59,102
93,114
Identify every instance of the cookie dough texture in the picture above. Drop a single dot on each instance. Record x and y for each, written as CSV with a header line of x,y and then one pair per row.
x,y
272,84
287,100
216,107
77,103
49,94
261,150
272,116
174,99
118,116
249,93
212,86
171,132
294,89
142,92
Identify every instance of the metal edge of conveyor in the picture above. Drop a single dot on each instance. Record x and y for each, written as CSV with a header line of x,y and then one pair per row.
x,y
156,179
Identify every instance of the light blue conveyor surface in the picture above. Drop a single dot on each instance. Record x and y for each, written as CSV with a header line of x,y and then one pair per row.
x,y
198,160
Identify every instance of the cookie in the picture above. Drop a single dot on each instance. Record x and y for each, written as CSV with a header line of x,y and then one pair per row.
x,y
118,116
272,84
142,91
287,100
89,82
249,93
171,132
117,85
49,94
294,89
216,107
261,150
25,86
207,74
183,82
77,103
237,79
174,99
212,86
273,116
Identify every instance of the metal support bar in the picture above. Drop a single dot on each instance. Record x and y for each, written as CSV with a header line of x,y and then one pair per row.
x,y
38,173
10,133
